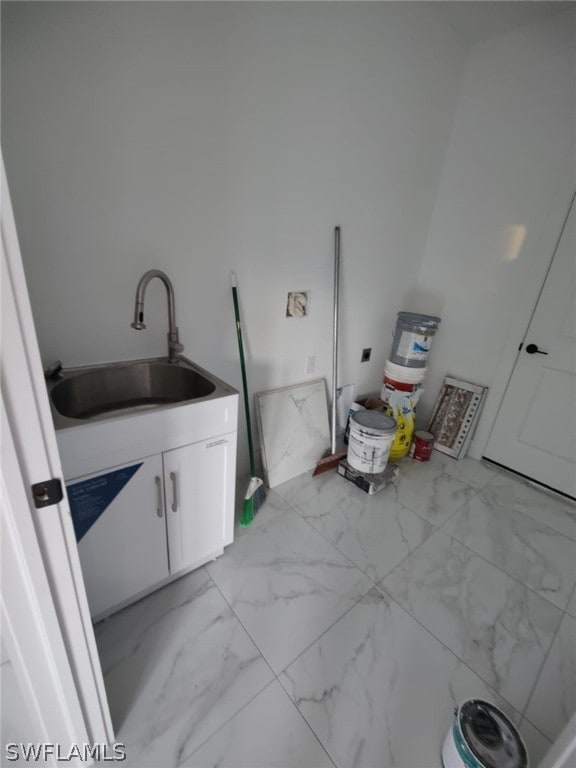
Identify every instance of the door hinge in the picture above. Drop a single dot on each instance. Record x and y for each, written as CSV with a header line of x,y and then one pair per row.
x,y
47,493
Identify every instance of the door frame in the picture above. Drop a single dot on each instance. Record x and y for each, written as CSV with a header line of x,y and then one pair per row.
x,y
49,529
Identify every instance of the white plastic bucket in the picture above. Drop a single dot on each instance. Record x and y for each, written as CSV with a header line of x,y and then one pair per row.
x,y
371,436
413,338
483,737
404,374
399,377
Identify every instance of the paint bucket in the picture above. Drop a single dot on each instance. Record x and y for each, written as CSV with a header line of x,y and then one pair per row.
x,y
413,338
369,442
421,447
482,737
354,408
400,378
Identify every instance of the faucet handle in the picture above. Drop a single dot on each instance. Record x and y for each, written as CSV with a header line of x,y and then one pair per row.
x,y
174,346
54,371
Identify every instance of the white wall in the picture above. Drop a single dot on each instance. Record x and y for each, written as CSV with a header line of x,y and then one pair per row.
x,y
200,138
509,176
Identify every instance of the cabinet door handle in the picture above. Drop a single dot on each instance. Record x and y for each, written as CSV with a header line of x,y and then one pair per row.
x,y
174,492
159,510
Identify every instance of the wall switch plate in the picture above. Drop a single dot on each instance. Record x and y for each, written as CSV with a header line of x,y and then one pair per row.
x,y
310,364
366,352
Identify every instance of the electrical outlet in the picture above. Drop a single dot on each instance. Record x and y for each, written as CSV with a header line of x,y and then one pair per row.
x,y
310,363
366,352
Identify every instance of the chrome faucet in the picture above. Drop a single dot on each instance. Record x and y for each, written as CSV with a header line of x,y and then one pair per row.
x,y
174,346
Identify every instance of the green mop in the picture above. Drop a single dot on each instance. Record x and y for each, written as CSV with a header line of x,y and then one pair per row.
x,y
256,492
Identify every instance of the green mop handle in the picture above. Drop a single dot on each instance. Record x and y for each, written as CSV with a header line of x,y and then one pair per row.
x,y
244,380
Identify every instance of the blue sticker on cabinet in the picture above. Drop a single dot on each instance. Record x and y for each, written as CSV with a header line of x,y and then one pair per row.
x,y
90,498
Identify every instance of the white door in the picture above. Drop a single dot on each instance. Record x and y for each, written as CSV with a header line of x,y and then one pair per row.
x,y
39,700
120,527
535,430
30,424
199,481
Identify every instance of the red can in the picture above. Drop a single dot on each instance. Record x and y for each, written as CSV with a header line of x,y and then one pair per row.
x,y
422,444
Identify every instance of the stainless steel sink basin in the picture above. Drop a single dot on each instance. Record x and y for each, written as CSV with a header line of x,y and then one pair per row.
x,y
104,391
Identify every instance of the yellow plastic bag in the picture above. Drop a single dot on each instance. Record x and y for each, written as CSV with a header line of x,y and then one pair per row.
x,y
401,406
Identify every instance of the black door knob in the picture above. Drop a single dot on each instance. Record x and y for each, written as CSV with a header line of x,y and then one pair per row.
x,y
532,349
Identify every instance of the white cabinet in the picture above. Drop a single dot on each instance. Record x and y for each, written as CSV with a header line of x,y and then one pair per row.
x,y
143,523
152,494
120,526
198,494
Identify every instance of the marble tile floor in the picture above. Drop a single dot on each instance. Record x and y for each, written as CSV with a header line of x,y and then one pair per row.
x,y
342,629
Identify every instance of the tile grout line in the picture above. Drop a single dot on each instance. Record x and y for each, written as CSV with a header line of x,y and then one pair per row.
x,y
383,592
540,671
475,491
377,585
312,731
356,601
179,606
293,703
570,602
189,755
241,623
531,724
300,513
275,678
381,589
539,675
450,516
533,520
374,581
473,552
327,540
386,594
449,650
511,576
439,527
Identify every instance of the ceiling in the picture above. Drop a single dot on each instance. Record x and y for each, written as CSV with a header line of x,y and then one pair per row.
x,y
476,20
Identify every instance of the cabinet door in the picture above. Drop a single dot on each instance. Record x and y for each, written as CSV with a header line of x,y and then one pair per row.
x,y
199,481
120,526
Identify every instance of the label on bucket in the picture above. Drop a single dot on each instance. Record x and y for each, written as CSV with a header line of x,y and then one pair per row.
x,y
367,453
369,444
414,346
